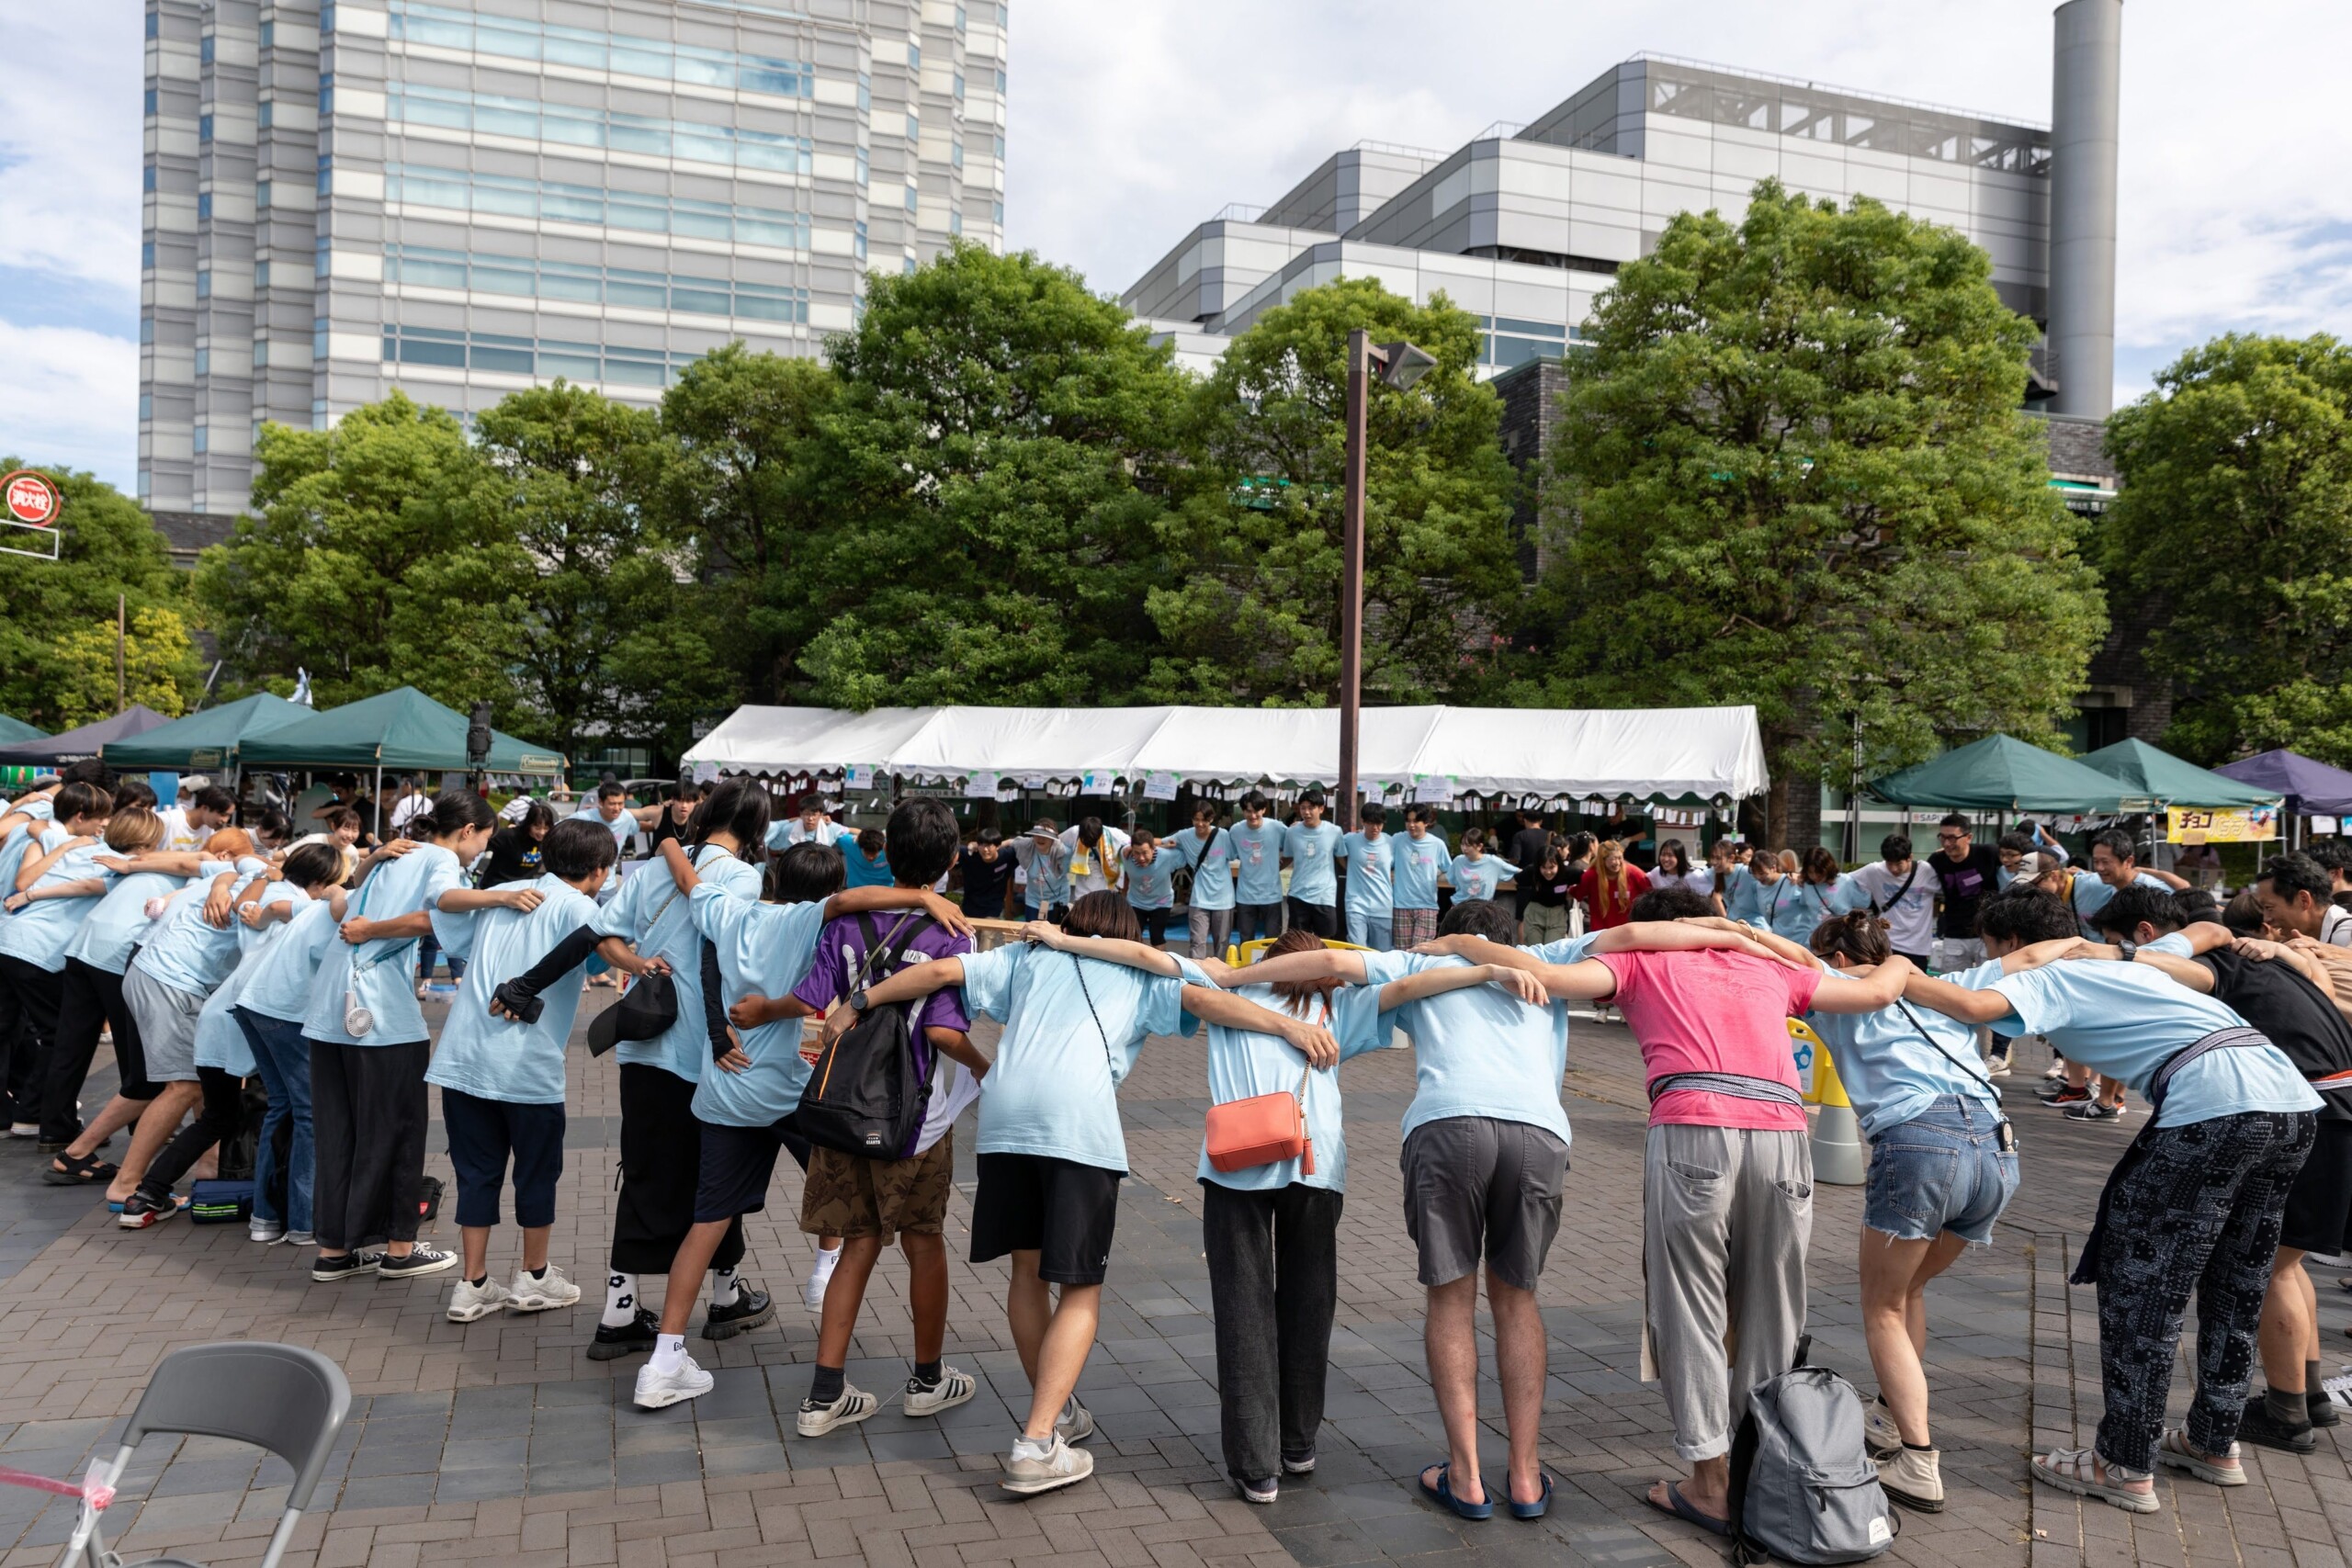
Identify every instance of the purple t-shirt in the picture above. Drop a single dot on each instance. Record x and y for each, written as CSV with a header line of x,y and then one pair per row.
x,y
840,957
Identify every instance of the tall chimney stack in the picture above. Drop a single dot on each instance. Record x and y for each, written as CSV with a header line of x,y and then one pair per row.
x,y
2086,89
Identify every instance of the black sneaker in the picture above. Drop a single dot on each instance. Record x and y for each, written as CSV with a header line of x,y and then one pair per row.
x,y
350,1266
140,1211
421,1259
2093,1110
638,1334
2265,1430
2063,1094
752,1308
2323,1408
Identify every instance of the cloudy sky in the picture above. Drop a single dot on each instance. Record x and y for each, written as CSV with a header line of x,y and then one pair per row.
x,y
1133,120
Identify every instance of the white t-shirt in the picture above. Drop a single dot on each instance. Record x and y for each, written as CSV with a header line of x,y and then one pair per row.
x,y
1908,903
2336,926
408,808
179,833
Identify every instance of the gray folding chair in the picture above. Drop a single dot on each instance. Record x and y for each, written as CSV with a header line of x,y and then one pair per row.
x,y
289,1401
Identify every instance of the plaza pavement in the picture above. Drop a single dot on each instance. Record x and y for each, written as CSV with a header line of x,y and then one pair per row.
x,y
501,1441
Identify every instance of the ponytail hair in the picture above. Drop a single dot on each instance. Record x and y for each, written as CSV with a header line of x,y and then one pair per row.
x,y
738,805
1857,936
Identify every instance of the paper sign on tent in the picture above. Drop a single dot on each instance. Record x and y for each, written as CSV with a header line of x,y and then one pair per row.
x,y
858,775
1160,786
981,786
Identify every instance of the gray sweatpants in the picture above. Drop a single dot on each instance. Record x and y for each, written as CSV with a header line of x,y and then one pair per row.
x,y
1210,929
1726,1215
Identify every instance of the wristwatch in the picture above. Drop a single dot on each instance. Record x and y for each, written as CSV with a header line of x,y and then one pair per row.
x,y
2126,947
857,1002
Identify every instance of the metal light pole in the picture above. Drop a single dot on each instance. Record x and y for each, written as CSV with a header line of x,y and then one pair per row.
x,y
1399,365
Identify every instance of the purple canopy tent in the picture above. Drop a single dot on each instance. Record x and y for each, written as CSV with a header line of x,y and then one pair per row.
x,y
2313,789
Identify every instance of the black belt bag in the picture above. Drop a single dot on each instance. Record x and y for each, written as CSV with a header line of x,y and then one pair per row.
x,y
2087,1264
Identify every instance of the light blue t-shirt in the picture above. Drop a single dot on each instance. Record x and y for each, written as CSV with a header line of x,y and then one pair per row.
x,y
119,921
1047,865
381,973
1243,1063
38,933
1212,867
1372,873
1890,1070
219,1043
653,916
2127,1019
280,984
21,839
1566,950
1054,1088
1793,906
503,1058
1152,887
1311,852
2091,894
1259,851
785,834
766,949
188,952
1478,878
1746,899
1414,867
1479,1050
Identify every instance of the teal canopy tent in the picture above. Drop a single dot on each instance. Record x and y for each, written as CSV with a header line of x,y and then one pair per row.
x,y
15,729
2162,779
402,729
208,741
2001,773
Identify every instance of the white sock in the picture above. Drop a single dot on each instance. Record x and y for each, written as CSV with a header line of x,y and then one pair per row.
x,y
722,1287
826,1259
620,1301
669,1353
1032,1448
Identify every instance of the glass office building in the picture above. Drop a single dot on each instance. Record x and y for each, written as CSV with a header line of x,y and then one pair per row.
x,y
462,198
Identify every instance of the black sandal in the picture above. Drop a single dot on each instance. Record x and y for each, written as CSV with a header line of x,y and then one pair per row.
x,y
80,1171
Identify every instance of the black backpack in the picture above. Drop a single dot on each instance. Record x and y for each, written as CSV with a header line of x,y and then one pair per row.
x,y
866,1095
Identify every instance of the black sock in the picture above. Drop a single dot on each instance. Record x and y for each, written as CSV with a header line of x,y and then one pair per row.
x,y
2289,1409
477,1284
1920,1447
826,1383
928,1373
539,1273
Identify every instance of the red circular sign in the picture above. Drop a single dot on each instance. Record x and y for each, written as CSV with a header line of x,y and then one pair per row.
x,y
31,498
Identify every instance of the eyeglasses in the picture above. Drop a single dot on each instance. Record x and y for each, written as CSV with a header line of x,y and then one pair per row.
x,y
1950,837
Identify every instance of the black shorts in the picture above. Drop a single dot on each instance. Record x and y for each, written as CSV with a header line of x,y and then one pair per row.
x,y
737,1162
2319,1205
1058,1209
1322,920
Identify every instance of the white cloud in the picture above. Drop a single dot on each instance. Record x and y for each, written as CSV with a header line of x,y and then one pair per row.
x,y
79,408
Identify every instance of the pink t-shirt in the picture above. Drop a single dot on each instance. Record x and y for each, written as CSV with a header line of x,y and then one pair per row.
x,y
1713,1012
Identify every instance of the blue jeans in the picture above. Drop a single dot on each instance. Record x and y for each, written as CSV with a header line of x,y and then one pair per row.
x,y
1942,1170
1370,930
283,1058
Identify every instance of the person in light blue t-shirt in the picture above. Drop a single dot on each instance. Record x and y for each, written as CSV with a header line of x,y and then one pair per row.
x,y
1258,842
2114,866
1051,1149
1150,878
1207,852
1371,856
1271,1229
1419,858
501,1080
2195,1206
1477,872
1311,850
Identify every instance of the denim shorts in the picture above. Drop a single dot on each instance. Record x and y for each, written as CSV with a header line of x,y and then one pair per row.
x,y
1942,1170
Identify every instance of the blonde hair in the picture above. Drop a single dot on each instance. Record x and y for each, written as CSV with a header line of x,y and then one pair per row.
x,y
228,843
127,832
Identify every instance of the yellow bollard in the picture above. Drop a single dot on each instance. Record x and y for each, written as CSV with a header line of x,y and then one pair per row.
x,y
1838,1157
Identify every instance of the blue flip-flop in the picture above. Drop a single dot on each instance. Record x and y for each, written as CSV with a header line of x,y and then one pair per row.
x,y
1682,1507
1536,1509
1442,1493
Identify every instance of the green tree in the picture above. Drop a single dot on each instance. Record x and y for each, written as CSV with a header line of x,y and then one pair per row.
x,y
988,489
1253,613
158,667
372,561
604,640
107,548
1792,471
2235,515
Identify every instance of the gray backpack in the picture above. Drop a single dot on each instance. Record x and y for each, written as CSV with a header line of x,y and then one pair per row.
x,y
1802,1487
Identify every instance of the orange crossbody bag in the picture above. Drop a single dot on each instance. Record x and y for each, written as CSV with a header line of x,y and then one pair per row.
x,y
1262,1130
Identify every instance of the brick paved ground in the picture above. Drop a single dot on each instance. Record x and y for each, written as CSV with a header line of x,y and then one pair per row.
x,y
503,1436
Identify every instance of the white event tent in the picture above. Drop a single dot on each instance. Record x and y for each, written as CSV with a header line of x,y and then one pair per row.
x,y
1715,754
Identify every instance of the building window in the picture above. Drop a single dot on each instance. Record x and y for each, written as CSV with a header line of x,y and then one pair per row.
x,y
318,337
863,167
147,178
956,220
914,57
146,329
261,351
203,50
146,407
522,277
551,201
864,92
146,255
261,275
152,97
327,91
326,21
1000,82
203,440
529,120
203,205
610,363
907,265
622,54
957,85
264,113
152,31
203,283
956,152
204,361
914,127
203,128
914,197
269,35
858,239
261,194
326,174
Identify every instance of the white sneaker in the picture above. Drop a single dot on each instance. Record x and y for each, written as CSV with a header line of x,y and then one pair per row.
x,y
526,1294
1075,1424
656,1390
1881,1436
855,1405
470,1302
265,1232
812,1294
953,1389
24,1129
1062,1466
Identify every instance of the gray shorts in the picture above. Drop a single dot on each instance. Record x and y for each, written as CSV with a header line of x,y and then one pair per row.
x,y
166,1017
1477,1187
